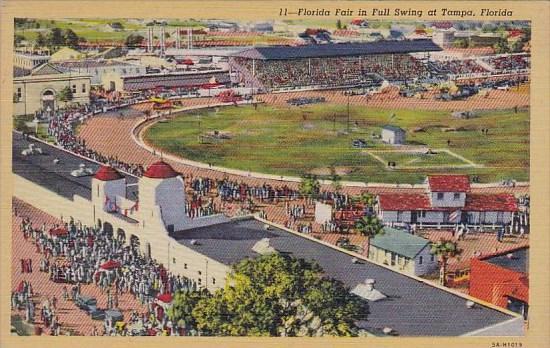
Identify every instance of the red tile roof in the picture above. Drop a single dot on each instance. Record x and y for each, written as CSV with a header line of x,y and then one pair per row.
x,y
404,201
491,202
449,183
107,173
160,170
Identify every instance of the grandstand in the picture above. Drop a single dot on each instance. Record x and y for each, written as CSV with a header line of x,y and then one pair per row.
x,y
329,65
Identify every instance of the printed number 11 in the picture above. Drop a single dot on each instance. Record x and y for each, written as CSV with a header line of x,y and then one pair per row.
x,y
283,12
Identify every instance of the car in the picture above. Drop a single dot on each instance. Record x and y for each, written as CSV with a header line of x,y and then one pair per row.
x,y
359,143
86,303
503,87
97,314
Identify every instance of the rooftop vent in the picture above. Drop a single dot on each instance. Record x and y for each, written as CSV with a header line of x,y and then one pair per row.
x,y
470,304
262,247
31,150
368,292
194,242
82,171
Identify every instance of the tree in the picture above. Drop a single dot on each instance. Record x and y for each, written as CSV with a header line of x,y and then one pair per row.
x,y
444,249
71,39
55,38
338,24
309,186
460,43
133,40
275,295
182,307
40,40
336,180
369,226
501,46
65,95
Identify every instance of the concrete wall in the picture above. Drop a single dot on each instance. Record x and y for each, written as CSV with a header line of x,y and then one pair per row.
x,y
178,258
448,199
168,194
31,90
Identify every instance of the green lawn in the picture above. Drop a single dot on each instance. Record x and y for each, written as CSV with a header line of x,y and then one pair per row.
x,y
296,140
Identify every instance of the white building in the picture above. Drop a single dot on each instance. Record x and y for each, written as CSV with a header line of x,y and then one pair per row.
x,y
393,135
96,68
447,201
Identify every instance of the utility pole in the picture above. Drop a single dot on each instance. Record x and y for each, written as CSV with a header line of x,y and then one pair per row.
x,y
348,114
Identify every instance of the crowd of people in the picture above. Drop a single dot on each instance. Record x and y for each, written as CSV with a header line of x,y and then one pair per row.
x,y
334,71
509,63
78,254
456,67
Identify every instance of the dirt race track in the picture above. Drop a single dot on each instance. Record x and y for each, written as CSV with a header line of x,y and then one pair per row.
x,y
110,134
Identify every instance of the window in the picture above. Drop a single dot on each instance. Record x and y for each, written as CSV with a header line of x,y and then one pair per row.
x,y
420,260
399,216
173,260
422,213
200,281
74,89
200,272
440,196
456,196
213,280
83,88
185,266
432,258
18,92
124,71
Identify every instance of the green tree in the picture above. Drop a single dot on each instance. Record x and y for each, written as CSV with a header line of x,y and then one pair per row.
x,y
275,295
444,249
55,38
40,40
336,180
501,47
183,304
133,40
460,43
309,186
369,226
65,95
338,24
71,39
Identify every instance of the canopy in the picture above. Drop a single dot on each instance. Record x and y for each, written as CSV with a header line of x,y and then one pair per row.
x,y
111,264
58,232
166,298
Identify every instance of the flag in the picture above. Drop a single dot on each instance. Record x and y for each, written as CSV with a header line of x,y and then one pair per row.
x,y
454,216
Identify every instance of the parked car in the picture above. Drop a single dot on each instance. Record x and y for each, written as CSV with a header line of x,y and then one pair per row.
x,y
359,143
97,314
86,303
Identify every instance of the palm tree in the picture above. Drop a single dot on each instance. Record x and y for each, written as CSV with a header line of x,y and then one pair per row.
x,y
369,226
444,249
368,200
309,186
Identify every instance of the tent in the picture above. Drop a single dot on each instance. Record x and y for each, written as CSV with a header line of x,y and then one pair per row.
x,y
110,265
58,232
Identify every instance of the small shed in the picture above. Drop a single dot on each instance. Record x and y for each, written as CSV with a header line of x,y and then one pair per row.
x,y
393,135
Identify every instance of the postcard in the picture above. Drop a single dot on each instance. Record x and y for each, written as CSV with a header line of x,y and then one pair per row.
x,y
275,173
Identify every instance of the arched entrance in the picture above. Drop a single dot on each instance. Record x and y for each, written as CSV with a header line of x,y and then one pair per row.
x,y
121,235
107,228
48,101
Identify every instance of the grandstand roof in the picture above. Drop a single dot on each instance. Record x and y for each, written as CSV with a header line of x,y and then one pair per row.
x,y
338,50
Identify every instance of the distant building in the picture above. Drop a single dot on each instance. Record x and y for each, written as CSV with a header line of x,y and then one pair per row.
x,y
67,53
96,68
443,38
447,201
403,252
40,89
29,61
393,135
502,280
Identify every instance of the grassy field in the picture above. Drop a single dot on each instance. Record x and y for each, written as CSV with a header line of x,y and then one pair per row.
x,y
296,140
407,159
